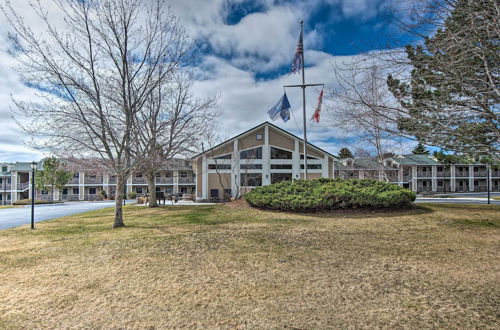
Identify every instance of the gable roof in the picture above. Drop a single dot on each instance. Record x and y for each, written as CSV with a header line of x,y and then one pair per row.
x,y
413,159
279,129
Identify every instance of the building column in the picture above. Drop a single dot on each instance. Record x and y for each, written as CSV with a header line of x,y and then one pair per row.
x,y
434,178
55,194
414,178
380,175
400,176
30,192
204,177
266,175
453,181
105,183
128,183
13,187
176,181
235,169
296,161
81,185
361,174
471,177
325,166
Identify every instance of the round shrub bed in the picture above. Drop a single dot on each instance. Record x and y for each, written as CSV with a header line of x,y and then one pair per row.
x,y
329,194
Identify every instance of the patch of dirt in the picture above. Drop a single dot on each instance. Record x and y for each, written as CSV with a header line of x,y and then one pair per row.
x,y
238,204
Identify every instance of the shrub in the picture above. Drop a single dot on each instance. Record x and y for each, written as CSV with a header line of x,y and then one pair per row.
x,y
103,194
329,194
132,195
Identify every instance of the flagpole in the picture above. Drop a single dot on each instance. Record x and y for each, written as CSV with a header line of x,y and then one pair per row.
x,y
304,99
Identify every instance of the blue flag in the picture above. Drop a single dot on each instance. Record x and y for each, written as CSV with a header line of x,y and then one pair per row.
x,y
282,109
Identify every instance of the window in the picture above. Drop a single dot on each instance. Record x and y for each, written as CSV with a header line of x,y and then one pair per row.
x,y
138,175
278,177
440,183
277,153
92,176
158,174
255,153
251,166
168,174
8,197
65,191
424,184
311,166
76,191
308,157
4,168
228,156
440,169
476,169
1,197
158,189
1,181
183,174
251,179
92,191
476,183
76,175
214,193
45,192
259,136
168,190
281,166
138,190
184,190
219,166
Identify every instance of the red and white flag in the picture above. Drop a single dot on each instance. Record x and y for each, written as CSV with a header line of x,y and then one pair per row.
x,y
315,116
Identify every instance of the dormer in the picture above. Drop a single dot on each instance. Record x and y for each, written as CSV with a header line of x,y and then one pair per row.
x,y
348,162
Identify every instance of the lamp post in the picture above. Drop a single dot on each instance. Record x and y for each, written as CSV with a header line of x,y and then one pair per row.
x,y
33,168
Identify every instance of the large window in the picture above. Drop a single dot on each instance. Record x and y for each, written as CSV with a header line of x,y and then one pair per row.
x,y
251,166
92,191
311,166
308,157
214,193
219,166
251,179
228,156
278,177
281,166
277,153
255,153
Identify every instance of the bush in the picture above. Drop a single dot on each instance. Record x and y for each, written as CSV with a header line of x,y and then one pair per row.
x,y
37,201
132,195
103,194
329,194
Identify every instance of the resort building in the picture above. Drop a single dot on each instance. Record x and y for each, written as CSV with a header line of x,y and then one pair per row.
x,y
263,155
88,182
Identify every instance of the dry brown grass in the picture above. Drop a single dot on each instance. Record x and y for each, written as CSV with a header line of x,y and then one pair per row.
x,y
234,267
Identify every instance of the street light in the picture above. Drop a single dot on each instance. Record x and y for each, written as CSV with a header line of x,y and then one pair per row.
x,y
33,168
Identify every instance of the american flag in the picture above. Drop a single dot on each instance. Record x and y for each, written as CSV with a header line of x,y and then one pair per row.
x,y
315,116
297,59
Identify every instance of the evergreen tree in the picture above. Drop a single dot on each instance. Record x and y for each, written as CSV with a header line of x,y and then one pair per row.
x,y
345,153
452,97
420,149
53,176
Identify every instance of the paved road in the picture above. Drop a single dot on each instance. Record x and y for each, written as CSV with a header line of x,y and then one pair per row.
x,y
461,200
17,216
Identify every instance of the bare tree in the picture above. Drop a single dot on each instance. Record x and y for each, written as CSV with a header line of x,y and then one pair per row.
x,y
96,72
356,106
173,124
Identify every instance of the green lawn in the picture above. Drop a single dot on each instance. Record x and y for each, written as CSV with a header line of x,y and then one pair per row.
x,y
8,206
230,266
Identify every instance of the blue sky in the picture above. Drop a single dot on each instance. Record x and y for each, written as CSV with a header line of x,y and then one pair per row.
x,y
246,48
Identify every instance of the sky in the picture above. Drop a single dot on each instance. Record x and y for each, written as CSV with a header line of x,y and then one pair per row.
x,y
246,50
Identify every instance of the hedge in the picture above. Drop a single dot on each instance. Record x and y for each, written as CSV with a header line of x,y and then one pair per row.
x,y
329,194
37,201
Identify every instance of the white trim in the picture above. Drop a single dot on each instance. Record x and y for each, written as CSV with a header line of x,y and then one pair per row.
x,y
235,167
204,177
266,155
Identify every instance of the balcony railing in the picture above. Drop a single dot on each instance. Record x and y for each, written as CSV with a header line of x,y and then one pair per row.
x,y
481,174
23,185
462,174
74,181
91,197
112,180
71,197
5,186
426,174
186,180
138,180
441,174
164,180
96,180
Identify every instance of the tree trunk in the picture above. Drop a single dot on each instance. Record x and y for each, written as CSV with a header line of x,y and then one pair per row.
x,y
120,185
152,189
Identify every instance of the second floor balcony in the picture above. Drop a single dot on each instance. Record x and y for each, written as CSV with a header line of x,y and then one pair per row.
x,y
186,180
164,180
93,180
